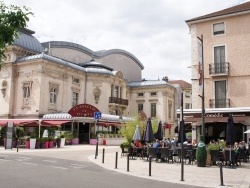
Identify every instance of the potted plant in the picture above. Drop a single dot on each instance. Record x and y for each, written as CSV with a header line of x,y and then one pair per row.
x,y
27,143
93,139
75,139
125,148
58,142
62,144
32,141
51,141
38,143
201,153
46,142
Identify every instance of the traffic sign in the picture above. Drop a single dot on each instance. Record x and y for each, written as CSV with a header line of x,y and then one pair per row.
x,y
98,115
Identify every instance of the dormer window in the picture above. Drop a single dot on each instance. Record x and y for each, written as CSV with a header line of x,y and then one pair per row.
x,y
218,28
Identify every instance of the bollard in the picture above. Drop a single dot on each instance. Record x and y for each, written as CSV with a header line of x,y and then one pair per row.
x,y
128,163
221,174
150,162
96,150
103,152
116,158
17,145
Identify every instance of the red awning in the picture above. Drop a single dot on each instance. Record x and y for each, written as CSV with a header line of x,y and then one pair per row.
x,y
54,122
19,122
105,123
237,119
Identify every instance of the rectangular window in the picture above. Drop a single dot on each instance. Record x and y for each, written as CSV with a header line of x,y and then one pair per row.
x,y
74,99
153,93
188,106
140,107
170,108
140,94
153,109
218,28
220,94
26,89
76,80
53,89
116,91
26,93
219,59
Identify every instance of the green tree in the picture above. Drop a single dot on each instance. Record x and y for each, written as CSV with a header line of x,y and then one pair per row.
x,y
11,19
129,129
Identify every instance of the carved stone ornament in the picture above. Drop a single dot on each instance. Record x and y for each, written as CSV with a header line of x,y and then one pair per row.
x,y
96,93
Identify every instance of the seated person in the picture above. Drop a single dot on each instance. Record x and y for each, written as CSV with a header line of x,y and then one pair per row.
x,y
157,145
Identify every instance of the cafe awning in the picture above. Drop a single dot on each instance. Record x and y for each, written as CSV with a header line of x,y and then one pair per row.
x,y
54,122
19,122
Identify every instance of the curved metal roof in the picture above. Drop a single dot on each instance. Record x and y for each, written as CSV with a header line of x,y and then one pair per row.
x,y
149,83
51,58
95,64
27,41
97,54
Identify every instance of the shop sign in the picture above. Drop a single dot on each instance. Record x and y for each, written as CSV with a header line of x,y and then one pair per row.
x,y
83,110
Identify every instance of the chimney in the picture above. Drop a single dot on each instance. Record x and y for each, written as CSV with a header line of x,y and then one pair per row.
x,y
165,78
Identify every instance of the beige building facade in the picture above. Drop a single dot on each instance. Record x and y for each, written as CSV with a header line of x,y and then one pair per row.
x,y
53,77
225,38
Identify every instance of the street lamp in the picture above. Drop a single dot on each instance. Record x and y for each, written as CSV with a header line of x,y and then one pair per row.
x,y
202,85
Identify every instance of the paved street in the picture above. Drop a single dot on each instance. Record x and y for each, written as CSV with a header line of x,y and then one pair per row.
x,y
65,167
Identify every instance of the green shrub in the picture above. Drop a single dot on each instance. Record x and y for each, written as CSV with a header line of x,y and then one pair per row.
x,y
201,153
125,145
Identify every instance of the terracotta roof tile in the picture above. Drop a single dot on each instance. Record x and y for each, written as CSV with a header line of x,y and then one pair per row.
x,y
183,84
235,9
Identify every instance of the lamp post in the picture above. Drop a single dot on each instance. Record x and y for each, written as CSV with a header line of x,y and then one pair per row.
x,y
202,85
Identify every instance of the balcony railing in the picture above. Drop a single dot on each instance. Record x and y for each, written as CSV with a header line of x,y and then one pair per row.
x,y
218,69
219,103
117,100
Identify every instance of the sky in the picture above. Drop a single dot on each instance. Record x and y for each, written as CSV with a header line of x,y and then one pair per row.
x,y
154,31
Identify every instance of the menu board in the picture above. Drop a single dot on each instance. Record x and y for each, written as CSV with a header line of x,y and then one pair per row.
x,y
9,135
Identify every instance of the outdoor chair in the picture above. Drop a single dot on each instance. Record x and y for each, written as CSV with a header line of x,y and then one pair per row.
x,y
215,156
230,157
242,155
152,153
166,154
184,154
124,151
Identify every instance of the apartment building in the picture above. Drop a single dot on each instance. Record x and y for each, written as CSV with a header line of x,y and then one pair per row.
x,y
221,41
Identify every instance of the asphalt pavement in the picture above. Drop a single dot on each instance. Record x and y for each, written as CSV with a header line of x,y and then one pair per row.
x,y
162,171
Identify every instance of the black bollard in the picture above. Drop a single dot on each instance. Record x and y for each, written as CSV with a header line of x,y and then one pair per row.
x,y
116,158
128,163
221,174
150,162
17,145
96,150
103,153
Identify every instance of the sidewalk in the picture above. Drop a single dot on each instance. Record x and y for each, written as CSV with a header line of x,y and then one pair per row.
x,y
168,172
193,175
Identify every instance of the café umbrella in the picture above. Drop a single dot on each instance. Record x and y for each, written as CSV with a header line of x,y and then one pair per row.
x,y
159,134
149,135
230,133
137,134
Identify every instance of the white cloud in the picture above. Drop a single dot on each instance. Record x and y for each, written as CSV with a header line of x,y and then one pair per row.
x,y
154,31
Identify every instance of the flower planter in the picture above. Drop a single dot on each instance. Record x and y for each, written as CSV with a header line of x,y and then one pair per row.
x,y
46,144
50,144
27,144
58,143
75,141
38,145
62,144
92,141
32,143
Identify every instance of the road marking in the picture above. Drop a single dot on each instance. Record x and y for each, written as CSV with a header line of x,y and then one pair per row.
x,y
59,167
25,158
50,161
77,166
22,158
29,163
4,160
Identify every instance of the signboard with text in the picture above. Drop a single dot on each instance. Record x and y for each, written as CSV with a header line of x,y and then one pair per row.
x,y
83,110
